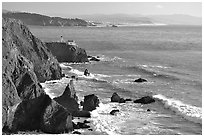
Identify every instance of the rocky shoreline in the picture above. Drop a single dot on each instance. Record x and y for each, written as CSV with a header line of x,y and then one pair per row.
x,y
27,62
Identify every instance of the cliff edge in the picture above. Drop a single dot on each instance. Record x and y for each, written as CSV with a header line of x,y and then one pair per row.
x,y
25,62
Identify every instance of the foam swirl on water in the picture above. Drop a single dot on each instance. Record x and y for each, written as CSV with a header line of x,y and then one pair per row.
x,y
189,112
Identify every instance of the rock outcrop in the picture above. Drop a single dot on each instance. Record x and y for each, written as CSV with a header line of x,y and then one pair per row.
x,y
69,99
90,102
67,53
25,61
17,37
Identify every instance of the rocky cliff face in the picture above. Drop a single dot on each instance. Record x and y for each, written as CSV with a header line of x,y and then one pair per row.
x,y
17,37
67,53
25,61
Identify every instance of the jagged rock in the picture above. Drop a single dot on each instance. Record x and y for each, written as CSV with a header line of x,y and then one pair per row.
x,y
56,119
139,80
145,100
24,102
114,111
69,99
67,53
16,37
115,97
90,102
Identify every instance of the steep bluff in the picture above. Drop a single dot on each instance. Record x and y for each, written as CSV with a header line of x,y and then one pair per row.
x,y
67,53
18,36
25,62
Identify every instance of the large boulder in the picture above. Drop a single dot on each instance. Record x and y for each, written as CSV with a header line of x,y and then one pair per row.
x,y
90,102
56,119
69,99
145,100
67,53
115,97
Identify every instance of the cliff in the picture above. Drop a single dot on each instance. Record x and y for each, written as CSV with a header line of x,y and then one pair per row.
x,y
15,34
67,53
42,20
25,62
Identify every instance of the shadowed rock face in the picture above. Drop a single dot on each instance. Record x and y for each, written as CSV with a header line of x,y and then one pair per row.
x,y
69,99
67,53
90,102
18,37
25,106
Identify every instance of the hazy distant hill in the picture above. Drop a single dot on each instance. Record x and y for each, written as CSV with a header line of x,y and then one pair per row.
x,y
117,18
176,19
42,20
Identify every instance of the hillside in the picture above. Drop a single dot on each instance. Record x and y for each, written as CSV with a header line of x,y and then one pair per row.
x,y
42,20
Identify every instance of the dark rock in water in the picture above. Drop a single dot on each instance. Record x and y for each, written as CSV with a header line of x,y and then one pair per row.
x,y
85,121
67,53
73,77
82,125
114,111
69,99
115,97
94,59
82,113
139,80
145,100
76,132
122,100
148,109
25,62
90,129
56,119
81,103
63,75
128,99
90,102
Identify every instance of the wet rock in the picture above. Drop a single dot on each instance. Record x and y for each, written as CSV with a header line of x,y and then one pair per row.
x,y
115,97
69,99
122,100
82,125
56,119
140,80
94,59
128,99
86,121
145,100
148,109
90,129
114,111
90,102
76,132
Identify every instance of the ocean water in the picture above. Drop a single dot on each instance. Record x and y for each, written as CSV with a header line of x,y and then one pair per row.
x,y
169,57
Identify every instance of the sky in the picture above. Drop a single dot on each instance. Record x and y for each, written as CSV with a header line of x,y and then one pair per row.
x,y
65,9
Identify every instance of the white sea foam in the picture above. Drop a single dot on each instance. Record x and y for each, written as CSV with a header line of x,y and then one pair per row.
x,y
154,66
189,112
